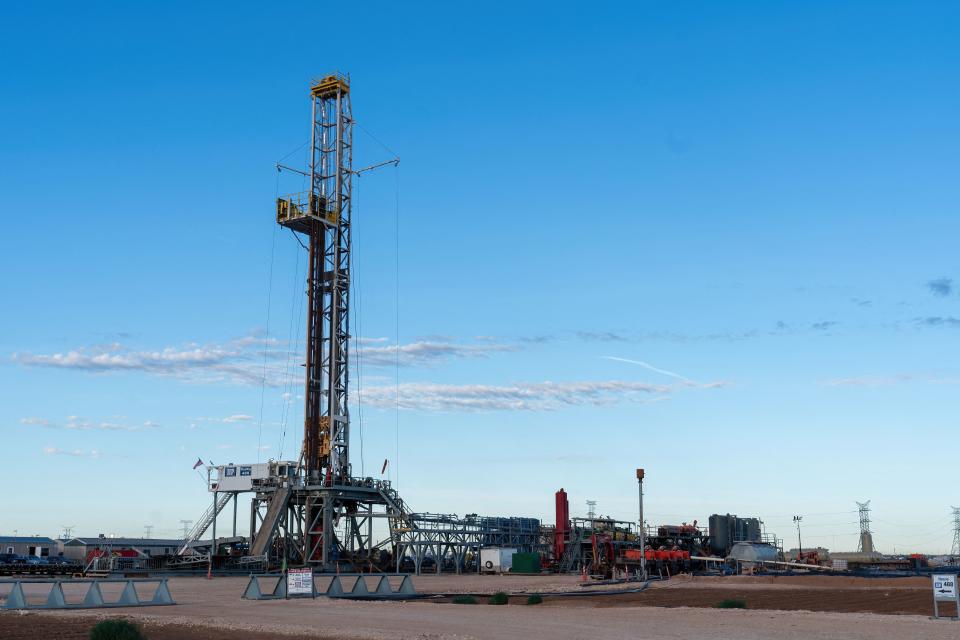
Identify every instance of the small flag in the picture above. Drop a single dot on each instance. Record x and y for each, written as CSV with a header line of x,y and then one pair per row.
x,y
384,469
198,464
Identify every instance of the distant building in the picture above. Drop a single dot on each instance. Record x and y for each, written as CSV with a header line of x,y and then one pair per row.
x,y
28,546
80,548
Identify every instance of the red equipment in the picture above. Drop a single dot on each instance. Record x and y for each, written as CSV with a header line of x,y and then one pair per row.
x,y
563,524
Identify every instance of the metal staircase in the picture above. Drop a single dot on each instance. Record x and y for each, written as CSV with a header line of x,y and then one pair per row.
x,y
572,552
204,522
401,515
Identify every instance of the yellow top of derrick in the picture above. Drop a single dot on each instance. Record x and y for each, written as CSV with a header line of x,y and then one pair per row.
x,y
329,85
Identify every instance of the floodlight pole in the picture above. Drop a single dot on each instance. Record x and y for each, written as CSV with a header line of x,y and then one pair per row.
x,y
797,519
643,533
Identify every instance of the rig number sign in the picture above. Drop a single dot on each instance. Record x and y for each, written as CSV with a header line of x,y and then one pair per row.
x,y
945,586
945,590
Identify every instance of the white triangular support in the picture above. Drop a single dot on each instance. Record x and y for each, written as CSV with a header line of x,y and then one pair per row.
x,y
162,596
406,587
253,589
16,600
383,587
55,599
129,595
360,587
94,597
335,588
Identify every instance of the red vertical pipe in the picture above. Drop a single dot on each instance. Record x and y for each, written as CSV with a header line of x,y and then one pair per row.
x,y
563,524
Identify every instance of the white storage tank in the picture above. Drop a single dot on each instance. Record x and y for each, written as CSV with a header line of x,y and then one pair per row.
x,y
753,552
496,559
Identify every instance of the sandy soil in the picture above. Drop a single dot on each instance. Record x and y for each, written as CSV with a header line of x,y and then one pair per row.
x,y
213,609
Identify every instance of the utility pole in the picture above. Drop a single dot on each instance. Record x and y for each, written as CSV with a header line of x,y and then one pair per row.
x,y
643,531
797,520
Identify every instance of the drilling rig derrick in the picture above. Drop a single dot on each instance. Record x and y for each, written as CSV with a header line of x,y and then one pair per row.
x,y
322,515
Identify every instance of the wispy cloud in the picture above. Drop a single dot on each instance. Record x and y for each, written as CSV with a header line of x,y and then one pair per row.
x,y
522,396
603,336
939,321
941,287
250,360
889,380
76,423
427,352
650,367
38,422
824,325
238,417
240,360
74,453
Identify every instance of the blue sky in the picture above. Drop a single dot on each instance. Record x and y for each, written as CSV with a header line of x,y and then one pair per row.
x,y
714,240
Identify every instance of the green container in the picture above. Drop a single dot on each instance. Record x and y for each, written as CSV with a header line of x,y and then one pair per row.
x,y
526,563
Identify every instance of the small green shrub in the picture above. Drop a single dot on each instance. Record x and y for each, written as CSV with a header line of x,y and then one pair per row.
x,y
464,600
500,598
116,629
731,603
535,598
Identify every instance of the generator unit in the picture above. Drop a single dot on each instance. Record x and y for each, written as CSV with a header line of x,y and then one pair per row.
x,y
496,559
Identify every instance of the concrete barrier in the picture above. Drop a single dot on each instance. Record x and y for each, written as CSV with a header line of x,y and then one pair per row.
x,y
92,598
273,586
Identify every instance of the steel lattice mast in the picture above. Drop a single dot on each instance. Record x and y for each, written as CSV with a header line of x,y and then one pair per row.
x,y
327,415
324,217
321,514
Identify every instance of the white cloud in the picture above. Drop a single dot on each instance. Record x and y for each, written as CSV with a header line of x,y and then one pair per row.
x,y
39,422
76,423
237,417
75,453
237,361
888,380
523,396
250,360
426,352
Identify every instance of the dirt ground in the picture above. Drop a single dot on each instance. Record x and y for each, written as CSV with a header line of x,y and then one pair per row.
x,y
787,608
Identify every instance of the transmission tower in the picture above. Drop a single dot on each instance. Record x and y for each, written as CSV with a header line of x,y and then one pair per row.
x,y
186,527
955,547
866,535
67,532
148,529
